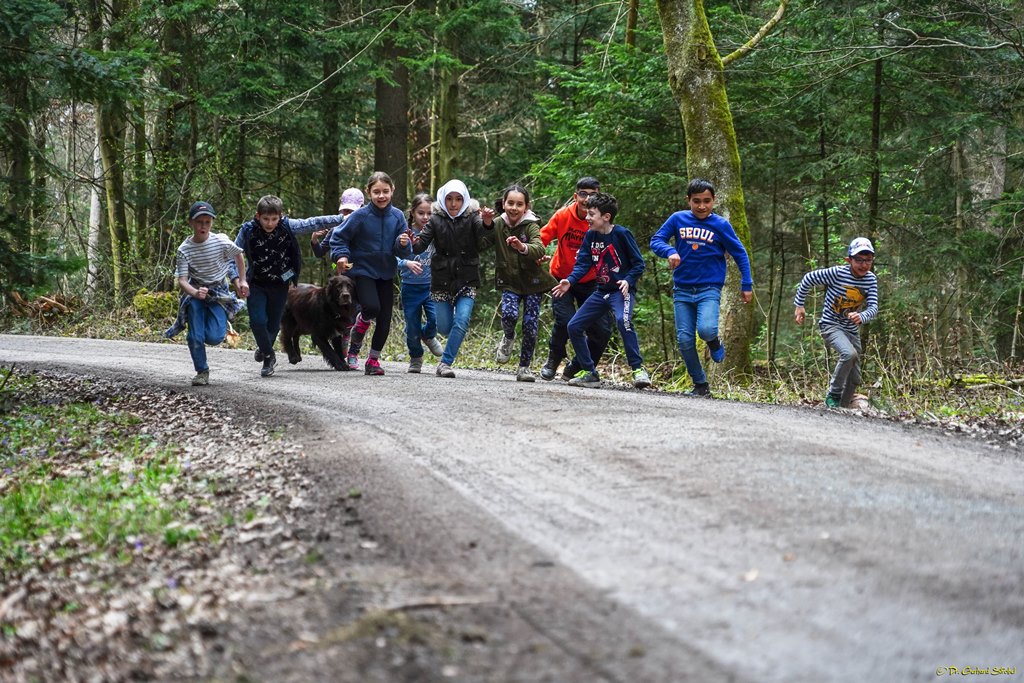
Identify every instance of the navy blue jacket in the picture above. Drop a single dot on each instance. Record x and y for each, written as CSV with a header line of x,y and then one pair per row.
x,y
369,238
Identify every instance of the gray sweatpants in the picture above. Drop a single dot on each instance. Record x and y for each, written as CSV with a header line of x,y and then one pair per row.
x,y
846,376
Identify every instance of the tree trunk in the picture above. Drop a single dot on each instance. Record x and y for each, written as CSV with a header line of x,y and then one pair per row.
x,y
19,157
391,127
447,126
40,201
98,239
111,124
698,83
330,186
144,247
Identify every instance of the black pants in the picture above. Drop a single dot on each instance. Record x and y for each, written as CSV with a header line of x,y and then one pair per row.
x,y
564,308
376,300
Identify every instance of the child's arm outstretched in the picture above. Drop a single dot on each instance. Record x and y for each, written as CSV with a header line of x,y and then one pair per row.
x,y
302,225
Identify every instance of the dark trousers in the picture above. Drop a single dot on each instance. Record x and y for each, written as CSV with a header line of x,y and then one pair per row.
x,y
266,306
564,308
376,300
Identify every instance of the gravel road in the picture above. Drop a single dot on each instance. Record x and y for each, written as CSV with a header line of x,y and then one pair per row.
x,y
653,537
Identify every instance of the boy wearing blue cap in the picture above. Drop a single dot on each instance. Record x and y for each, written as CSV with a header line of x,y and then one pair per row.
x,y
851,299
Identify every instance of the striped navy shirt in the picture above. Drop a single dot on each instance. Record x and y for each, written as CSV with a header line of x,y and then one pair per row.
x,y
844,293
206,262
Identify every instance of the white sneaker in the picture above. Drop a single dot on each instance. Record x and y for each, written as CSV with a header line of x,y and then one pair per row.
x,y
433,346
523,374
504,351
641,380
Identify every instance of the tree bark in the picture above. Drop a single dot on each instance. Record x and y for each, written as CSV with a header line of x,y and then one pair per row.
x,y
330,187
698,83
391,126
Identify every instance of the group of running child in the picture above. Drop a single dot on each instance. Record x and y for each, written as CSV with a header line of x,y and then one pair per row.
x,y
592,279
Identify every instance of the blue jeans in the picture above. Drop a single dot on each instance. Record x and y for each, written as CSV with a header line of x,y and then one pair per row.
x,y
266,306
846,376
417,305
696,314
453,322
207,324
597,305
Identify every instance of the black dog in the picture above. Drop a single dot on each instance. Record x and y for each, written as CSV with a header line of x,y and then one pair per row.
x,y
325,313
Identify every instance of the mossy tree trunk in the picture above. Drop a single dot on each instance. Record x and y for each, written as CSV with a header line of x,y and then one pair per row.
x,y
695,74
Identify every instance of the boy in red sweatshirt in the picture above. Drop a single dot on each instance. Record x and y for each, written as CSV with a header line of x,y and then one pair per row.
x,y
567,227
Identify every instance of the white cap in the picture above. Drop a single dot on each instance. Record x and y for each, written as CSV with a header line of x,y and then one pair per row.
x,y
860,244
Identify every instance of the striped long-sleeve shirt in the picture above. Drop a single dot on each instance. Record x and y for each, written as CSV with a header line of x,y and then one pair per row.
x,y
207,262
843,293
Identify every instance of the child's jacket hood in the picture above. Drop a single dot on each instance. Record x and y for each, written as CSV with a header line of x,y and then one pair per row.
x,y
457,186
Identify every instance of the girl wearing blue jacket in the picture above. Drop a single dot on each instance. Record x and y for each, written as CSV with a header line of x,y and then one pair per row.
x,y
365,247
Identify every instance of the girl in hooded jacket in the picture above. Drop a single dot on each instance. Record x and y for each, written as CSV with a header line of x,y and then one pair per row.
x,y
365,247
519,277
457,231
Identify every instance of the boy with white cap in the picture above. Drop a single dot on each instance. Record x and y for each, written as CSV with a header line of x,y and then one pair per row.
x,y
851,299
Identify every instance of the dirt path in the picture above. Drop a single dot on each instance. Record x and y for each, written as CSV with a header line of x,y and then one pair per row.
x,y
626,536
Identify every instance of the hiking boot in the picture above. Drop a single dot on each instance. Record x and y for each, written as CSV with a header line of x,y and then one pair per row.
x,y
352,361
504,351
718,355
833,401
433,346
201,379
258,356
700,390
373,367
269,363
445,370
549,370
415,365
523,374
585,378
571,370
641,380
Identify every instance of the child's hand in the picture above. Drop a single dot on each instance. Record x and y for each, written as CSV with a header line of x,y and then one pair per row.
x,y
242,288
514,242
343,264
403,239
201,293
799,314
747,297
624,287
487,214
854,317
319,235
561,288
543,259
415,267
673,261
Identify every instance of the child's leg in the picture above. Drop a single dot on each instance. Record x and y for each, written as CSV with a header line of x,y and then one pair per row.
x,y
623,308
385,306
216,324
463,311
531,323
258,305
563,308
853,379
708,305
509,309
369,304
429,315
277,297
412,299
594,307
196,336
445,314
849,354
686,333
600,331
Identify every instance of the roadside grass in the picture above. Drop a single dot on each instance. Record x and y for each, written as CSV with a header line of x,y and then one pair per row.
x,y
80,480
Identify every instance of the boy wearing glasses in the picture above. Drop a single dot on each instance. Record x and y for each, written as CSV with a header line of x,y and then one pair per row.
x,y
851,299
567,227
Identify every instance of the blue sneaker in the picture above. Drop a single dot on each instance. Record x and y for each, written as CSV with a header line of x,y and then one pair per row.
x,y
718,355
833,402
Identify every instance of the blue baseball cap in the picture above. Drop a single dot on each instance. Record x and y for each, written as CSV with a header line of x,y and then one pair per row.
x,y
201,209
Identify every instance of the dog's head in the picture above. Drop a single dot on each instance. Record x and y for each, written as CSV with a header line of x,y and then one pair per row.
x,y
341,297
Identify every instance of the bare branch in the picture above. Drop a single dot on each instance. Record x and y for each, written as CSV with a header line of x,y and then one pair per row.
x,y
752,43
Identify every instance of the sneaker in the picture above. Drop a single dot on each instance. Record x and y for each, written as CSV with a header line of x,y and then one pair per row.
x,y
571,370
201,379
433,346
586,378
718,355
549,370
445,370
504,351
641,380
373,367
830,401
700,390
352,361
269,362
415,365
523,374
258,356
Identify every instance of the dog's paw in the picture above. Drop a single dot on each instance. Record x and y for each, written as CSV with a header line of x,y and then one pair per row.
x,y
294,360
